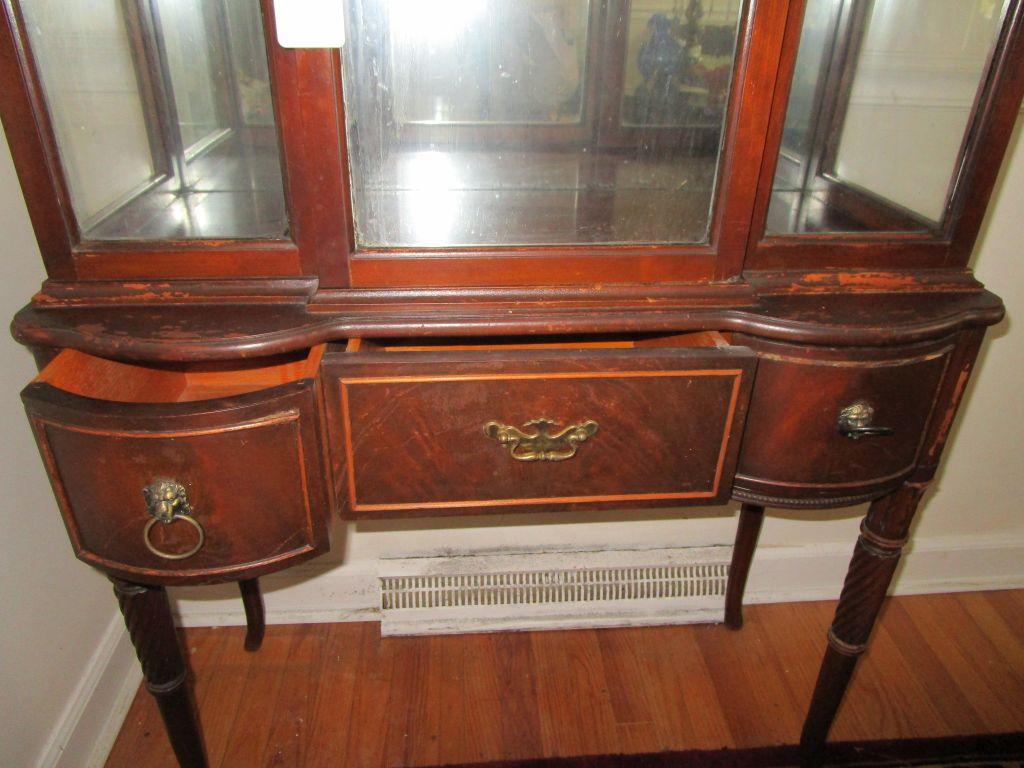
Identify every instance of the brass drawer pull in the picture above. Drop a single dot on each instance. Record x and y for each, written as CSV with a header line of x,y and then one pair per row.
x,y
855,422
541,444
166,502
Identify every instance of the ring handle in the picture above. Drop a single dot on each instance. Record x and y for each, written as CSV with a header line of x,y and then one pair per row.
x,y
166,501
170,555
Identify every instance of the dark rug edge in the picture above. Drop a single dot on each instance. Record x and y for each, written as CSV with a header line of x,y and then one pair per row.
x,y
947,750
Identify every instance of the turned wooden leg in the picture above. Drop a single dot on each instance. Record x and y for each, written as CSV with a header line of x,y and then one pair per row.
x,y
147,614
751,517
252,600
883,534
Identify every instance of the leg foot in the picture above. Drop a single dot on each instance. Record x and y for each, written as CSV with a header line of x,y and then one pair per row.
x,y
751,517
147,614
836,669
874,561
252,601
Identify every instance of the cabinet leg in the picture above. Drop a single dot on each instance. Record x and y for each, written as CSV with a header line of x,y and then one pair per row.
x,y
252,601
147,614
751,517
875,557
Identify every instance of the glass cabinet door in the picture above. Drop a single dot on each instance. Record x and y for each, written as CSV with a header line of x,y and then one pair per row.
x,y
882,102
162,115
481,123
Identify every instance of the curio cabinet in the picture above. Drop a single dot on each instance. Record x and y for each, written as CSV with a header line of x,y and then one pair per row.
x,y
622,253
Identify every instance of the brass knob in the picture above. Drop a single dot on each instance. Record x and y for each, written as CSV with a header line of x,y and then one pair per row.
x,y
167,502
855,422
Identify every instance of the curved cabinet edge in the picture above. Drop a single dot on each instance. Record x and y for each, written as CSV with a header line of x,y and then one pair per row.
x,y
248,330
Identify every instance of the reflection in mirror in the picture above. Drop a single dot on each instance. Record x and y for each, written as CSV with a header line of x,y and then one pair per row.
x,y
518,122
678,65
163,116
540,44
882,99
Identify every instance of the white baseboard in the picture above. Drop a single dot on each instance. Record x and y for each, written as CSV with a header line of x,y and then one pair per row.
x,y
936,564
90,722
326,591
317,592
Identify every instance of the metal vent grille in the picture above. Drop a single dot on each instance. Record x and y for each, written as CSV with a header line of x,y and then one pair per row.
x,y
553,586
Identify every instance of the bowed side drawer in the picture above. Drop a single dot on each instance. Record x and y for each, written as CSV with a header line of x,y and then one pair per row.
x,y
466,429
173,475
837,426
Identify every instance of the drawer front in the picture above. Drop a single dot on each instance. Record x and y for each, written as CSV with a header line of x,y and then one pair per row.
x,y
793,447
442,432
248,468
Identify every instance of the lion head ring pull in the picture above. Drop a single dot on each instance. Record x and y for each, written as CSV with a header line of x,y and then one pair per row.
x,y
167,503
543,443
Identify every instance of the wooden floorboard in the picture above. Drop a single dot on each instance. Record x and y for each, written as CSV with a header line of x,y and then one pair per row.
x,y
333,695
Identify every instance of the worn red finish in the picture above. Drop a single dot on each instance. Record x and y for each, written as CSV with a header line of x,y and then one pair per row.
x,y
201,359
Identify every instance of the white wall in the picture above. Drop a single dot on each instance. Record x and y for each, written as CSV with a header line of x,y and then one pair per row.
x,y
56,612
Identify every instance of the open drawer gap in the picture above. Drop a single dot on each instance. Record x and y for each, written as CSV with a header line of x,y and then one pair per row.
x,y
699,339
102,379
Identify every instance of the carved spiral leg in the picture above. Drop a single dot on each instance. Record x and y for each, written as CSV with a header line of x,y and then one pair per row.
x,y
147,614
751,517
883,534
252,601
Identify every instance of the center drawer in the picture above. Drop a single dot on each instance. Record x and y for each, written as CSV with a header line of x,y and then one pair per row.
x,y
464,429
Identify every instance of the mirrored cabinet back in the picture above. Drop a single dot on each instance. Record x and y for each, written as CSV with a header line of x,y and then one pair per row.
x,y
623,253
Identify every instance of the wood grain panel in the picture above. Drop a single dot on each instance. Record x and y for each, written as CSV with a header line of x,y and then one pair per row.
x,y
652,443
792,447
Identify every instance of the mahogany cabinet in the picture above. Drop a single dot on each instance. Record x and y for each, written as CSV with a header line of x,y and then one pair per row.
x,y
496,256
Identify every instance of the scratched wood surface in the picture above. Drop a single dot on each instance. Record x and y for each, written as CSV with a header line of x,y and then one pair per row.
x,y
339,695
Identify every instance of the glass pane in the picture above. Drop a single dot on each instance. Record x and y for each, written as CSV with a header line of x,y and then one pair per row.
x,y
162,114
195,61
882,98
515,122
524,65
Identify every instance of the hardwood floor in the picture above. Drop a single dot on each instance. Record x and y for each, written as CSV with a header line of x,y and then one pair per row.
x,y
338,695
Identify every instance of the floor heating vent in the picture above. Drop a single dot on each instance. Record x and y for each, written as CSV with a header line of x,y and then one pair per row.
x,y
538,590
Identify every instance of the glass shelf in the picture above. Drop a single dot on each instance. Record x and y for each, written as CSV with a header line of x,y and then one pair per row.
x,y
477,123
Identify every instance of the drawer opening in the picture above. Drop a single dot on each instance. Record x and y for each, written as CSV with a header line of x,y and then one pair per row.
x,y
702,339
103,379
479,426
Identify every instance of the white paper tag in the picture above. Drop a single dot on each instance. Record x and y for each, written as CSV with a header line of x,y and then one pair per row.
x,y
310,23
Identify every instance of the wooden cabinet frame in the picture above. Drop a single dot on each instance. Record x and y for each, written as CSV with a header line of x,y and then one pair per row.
x,y
719,260
308,103
305,88
310,111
